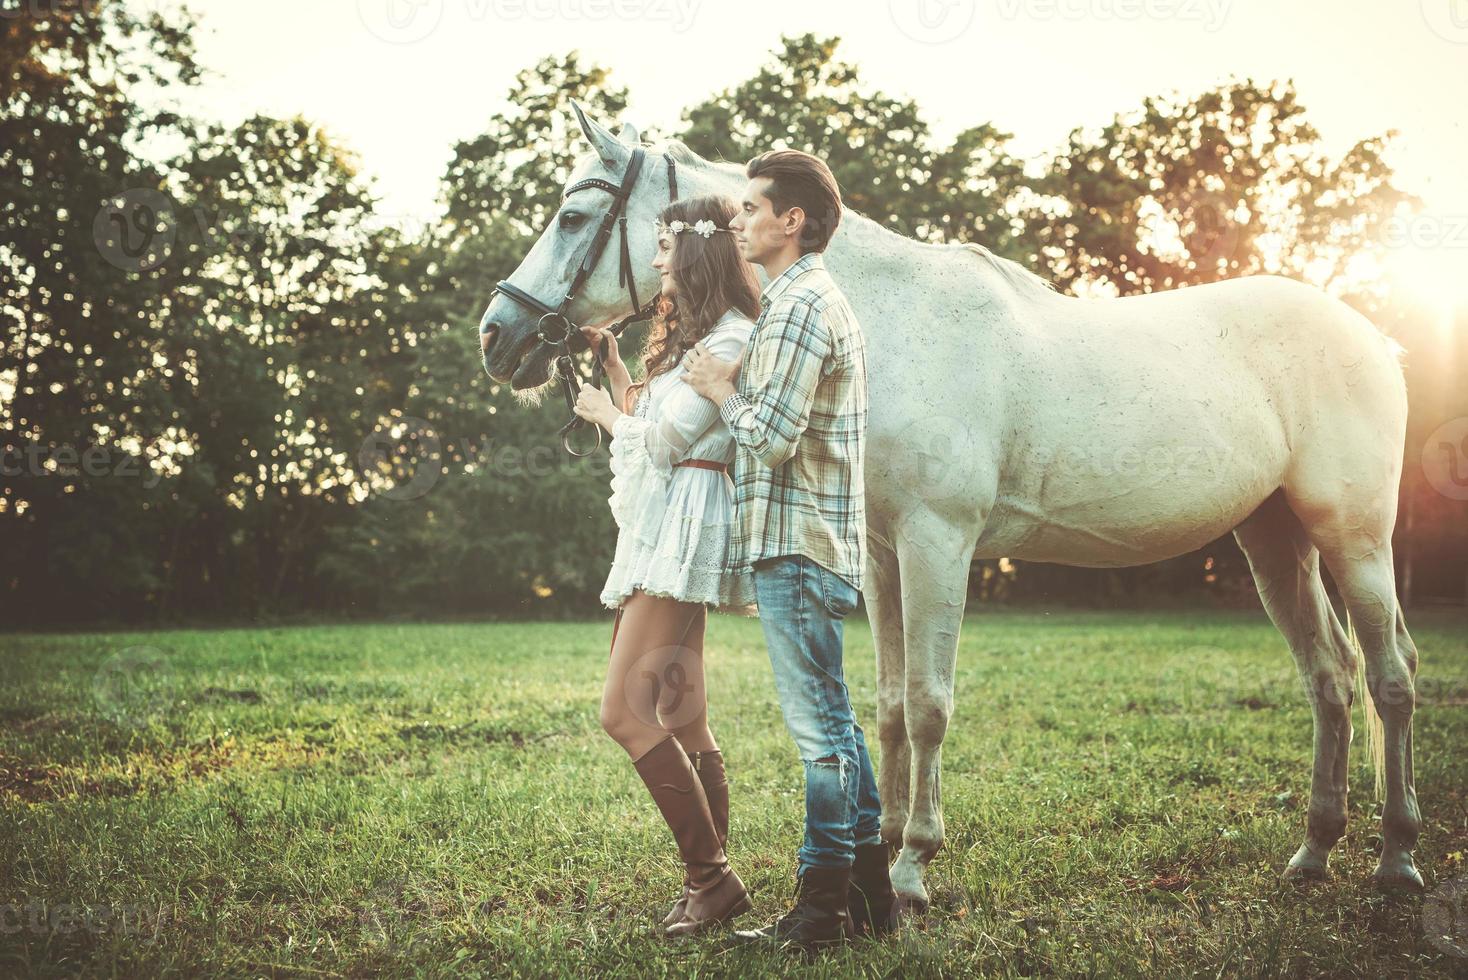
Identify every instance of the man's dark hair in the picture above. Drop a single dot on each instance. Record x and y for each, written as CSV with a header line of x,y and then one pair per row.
x,y
800,180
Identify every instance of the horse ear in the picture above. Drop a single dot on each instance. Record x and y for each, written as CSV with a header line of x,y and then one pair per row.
x,y
629,134
607,146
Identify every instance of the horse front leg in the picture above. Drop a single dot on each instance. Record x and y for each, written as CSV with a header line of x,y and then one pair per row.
x,y
883,594
934,586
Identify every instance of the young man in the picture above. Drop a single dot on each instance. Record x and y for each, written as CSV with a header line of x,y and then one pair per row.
x,y
798,415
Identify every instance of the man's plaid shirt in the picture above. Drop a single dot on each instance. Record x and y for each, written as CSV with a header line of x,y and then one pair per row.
x,y
799,417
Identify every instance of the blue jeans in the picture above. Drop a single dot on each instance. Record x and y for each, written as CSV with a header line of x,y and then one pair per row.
x,y
801,606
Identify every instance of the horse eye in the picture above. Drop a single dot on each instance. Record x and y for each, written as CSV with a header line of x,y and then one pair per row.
x,y
571,219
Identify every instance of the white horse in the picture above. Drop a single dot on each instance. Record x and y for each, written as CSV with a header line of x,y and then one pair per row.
x,y
1008,420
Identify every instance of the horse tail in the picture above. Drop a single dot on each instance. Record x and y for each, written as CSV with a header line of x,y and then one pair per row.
x,y
1375,734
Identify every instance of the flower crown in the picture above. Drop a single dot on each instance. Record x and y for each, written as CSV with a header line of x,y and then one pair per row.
x,y
704,227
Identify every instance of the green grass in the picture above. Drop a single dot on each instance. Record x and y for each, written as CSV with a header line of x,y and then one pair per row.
x,y
1121,792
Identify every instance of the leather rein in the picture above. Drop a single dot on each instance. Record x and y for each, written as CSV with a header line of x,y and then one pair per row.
x,y
555,329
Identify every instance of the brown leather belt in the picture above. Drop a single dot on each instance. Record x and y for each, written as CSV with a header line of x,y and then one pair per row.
x,y
704,464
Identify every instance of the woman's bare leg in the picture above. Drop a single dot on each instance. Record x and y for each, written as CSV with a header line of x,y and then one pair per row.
x,y
649,670
684,707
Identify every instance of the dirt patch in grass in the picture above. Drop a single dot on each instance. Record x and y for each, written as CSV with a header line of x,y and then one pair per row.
x,y
150,772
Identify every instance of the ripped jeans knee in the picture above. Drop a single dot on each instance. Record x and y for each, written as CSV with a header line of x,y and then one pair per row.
x,y
804,639
839,763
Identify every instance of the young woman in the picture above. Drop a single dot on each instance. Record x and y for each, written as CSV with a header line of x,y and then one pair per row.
x,y
673,502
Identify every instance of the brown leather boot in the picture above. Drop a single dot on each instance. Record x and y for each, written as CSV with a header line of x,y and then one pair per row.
x,y
710,768
715,892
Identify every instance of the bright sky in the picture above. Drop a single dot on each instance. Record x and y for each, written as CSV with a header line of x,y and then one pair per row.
x,y
399,81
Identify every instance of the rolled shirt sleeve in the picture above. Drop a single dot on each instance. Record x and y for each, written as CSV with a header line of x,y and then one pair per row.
x,y
786,360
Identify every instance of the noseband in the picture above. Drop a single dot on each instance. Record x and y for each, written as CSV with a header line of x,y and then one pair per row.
x,y
555,329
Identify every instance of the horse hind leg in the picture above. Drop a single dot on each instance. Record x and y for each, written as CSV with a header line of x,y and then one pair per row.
x,y
1342,483
1286,567
883,594
1362,570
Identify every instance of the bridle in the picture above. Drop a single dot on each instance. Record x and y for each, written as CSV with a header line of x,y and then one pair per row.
x,y
555,329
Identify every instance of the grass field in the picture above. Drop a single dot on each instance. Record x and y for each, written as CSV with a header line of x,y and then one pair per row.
x,y
1121,792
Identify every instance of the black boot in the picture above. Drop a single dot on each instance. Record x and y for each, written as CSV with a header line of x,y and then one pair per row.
x,y
869,901
819,919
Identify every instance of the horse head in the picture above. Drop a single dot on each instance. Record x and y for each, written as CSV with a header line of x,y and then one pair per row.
x,y
510,330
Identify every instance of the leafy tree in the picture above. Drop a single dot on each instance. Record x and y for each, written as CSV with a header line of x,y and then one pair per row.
x,y
81,316
229,387
880,148
510,522
1229,183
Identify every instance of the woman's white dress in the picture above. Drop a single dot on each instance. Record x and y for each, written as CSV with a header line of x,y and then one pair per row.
x,y
674,523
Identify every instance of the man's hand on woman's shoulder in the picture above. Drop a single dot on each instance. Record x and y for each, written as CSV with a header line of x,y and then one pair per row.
x,y
710,375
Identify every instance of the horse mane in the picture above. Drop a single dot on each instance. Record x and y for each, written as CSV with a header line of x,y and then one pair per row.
x,y
1023,280
1020,279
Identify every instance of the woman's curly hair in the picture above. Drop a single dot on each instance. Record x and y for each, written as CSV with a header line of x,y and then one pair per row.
x,y
709,276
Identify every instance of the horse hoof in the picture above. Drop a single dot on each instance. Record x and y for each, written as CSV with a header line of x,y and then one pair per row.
x,y
1299,874
1306,866
1398,876
910,908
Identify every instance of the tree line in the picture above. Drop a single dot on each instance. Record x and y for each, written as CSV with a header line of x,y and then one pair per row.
x,y
233,387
